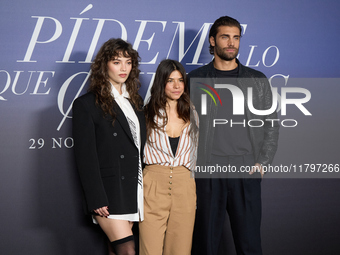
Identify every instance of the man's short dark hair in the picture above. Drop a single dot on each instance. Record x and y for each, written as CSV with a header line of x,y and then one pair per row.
x,y
222,21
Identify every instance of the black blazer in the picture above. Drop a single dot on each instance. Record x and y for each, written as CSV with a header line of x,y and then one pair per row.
x,y
106,156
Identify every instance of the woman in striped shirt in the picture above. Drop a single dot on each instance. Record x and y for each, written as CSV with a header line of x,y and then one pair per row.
x,y
170,158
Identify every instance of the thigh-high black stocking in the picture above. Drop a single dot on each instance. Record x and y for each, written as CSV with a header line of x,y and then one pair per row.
x,y
124,246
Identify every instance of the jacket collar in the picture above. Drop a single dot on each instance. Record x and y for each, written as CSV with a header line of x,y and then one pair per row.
x,y
212,70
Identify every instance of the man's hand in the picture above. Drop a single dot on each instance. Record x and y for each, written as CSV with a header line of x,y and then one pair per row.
x,y
257,168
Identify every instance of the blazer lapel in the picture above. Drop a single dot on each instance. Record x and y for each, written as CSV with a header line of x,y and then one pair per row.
x,y
120,117
125,125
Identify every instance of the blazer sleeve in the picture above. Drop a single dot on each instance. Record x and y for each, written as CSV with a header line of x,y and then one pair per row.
x,y
84,136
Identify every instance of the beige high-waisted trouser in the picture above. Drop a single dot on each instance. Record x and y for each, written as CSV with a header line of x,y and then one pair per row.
x,y
169,211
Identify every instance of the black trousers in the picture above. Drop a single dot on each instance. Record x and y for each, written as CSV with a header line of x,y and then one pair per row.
x,y
237,193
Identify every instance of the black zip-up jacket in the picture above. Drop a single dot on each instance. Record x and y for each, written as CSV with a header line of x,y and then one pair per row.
x,y
264,139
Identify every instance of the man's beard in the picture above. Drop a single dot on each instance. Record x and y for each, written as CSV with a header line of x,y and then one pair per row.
x,y
227,56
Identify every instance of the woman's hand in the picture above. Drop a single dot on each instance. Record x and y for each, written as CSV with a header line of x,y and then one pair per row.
x,y
103,211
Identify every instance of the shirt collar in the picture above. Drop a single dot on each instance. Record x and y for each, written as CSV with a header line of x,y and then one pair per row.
x,y
116,94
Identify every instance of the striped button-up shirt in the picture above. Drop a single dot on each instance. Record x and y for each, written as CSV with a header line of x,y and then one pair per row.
x,y
158,150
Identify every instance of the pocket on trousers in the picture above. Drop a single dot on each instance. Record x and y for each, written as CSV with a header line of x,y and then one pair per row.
x,y
150,189
191,195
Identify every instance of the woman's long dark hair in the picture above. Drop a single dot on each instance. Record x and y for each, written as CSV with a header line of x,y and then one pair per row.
x,y
100,85
158,99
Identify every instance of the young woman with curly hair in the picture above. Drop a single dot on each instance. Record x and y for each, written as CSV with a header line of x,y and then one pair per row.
x,y
170,158
109,136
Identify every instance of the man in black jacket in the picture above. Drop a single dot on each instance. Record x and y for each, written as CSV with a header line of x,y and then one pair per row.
x,y
234,143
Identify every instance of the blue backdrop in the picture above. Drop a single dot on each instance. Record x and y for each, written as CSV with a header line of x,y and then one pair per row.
x,y
46,51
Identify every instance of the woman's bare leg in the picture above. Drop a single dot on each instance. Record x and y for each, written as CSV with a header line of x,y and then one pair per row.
x,y
115,229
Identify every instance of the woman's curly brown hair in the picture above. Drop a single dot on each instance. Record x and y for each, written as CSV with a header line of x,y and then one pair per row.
x,y
100,85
